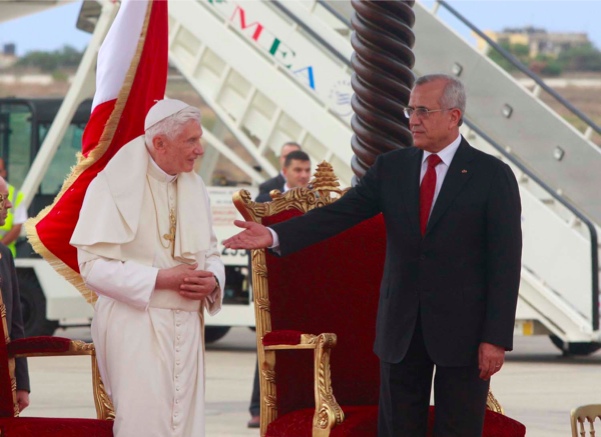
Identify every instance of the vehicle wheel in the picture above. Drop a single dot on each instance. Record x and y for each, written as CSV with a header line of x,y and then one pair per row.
x,y
33,305
575,348
214,333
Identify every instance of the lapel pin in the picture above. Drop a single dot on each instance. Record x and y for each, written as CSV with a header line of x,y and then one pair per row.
x,y
464,171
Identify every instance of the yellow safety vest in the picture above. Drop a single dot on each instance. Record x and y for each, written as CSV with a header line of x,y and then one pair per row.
x,y
11,217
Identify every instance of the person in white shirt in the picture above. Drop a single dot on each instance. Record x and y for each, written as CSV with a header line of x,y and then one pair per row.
x,y
296,171
277,182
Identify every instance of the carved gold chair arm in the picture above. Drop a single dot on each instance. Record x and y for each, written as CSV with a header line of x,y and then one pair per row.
x,y
307,341
102,402
328,413
75,347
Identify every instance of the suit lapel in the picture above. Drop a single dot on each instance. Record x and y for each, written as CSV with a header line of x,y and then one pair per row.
x,y
410,187
458,174
281,182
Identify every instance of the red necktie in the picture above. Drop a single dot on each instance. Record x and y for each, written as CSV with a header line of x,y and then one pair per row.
x,y
426,191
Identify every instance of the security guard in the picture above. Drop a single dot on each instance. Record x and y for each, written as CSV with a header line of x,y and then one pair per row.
x,y
17,215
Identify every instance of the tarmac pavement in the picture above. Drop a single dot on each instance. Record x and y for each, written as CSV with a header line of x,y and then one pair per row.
x,y
537,386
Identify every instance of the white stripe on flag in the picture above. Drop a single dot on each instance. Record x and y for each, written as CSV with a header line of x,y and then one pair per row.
x,y
117,50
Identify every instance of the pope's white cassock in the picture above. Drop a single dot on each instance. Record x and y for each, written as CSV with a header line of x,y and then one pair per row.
x,y
148,341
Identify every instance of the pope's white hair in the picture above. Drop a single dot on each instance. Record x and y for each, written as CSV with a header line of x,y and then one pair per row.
x,y
169,126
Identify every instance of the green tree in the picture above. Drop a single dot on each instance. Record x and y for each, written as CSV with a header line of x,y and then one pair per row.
x,y
499,59
67,57
545,65
580,58
519,52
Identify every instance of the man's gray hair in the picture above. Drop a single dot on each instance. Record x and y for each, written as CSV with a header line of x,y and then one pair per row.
x,y
170,125
453,95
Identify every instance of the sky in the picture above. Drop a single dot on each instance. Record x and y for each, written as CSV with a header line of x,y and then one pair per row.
x,y
56,27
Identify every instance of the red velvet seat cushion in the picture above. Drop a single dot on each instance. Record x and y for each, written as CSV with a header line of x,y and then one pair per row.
x,y
39,344
358,422
495,425
282,337
362,422
55,427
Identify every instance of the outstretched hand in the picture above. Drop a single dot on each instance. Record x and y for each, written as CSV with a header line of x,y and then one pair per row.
x,y
254,236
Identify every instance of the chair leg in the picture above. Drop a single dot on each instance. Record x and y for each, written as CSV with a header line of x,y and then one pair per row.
x,y
104,405
328,413
13,385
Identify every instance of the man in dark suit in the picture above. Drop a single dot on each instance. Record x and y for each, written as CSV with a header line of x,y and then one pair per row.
x,y
12,302
452,270
277,182
296,172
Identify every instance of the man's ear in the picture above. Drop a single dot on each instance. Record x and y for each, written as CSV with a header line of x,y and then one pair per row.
x,y
158,143
456,116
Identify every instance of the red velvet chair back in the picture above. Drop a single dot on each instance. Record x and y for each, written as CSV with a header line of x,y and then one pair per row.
x,y
332,286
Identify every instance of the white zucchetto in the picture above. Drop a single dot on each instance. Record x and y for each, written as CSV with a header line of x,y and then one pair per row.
x,y
163,109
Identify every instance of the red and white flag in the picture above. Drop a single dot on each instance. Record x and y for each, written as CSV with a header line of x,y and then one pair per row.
x,y
131,75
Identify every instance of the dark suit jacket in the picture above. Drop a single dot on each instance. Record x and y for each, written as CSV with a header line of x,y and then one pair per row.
x,y
14,319
275,183
462,276
263,197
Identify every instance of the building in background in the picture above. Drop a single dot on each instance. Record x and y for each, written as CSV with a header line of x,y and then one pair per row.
x,y
7,56
538,40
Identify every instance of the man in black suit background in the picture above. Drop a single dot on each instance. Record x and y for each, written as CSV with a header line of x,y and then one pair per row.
x,y
296,172
12,302
277,182
452,270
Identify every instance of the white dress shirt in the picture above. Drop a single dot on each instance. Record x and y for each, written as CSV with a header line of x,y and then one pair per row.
x,y
446,155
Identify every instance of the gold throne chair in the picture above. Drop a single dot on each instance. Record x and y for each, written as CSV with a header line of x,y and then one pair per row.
x,y
11,425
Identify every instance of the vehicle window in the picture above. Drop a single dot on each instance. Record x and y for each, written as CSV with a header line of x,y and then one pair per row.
x,y
65,158
15,140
